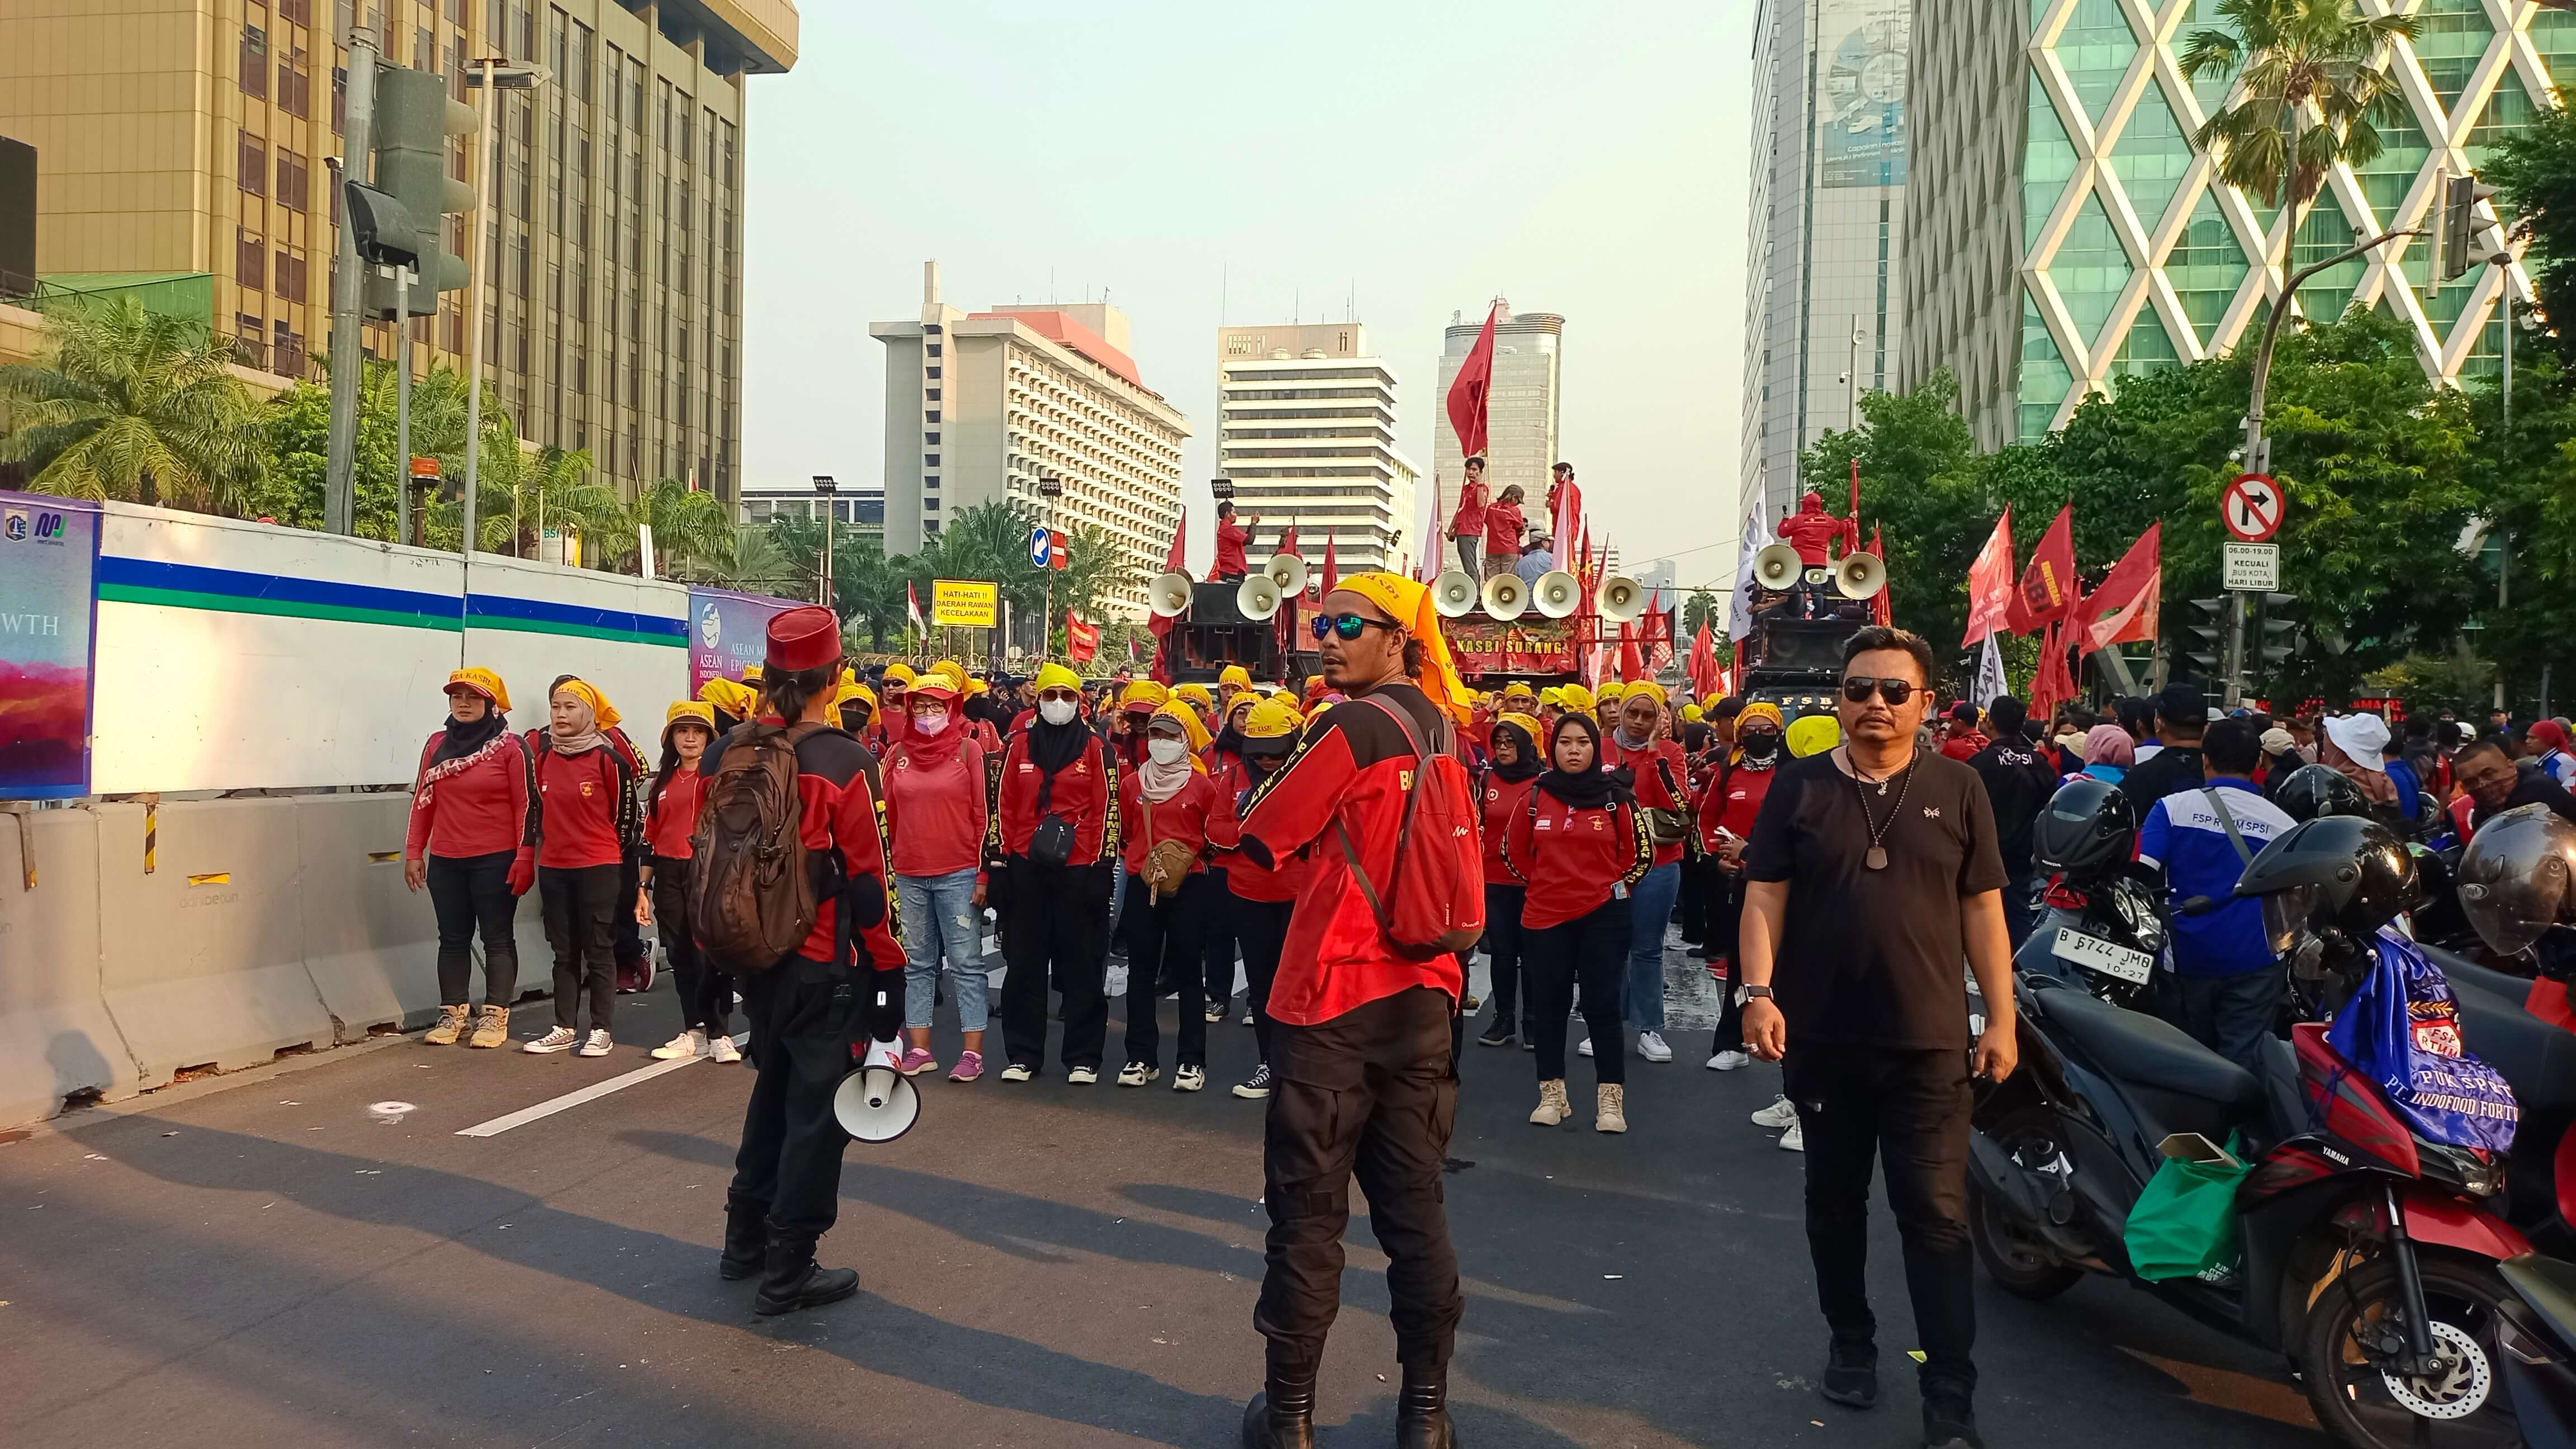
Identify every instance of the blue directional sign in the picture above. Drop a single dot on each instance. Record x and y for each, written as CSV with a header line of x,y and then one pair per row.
x,y
1041,548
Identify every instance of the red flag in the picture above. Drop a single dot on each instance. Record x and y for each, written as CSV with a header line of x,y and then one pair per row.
x,y
1162,624
1881,608
2124,609
1081,640
2047,591
1288,540
1703,664
1853,517
1180,540
2051,686
1567,519
912,607
1990,583
1632,664
1467,390
1332,571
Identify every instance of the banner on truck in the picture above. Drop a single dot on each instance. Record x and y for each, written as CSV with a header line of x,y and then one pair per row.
x,y
48,606
1491,646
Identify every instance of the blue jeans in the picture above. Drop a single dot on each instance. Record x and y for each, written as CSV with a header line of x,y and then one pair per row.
x,y
2021,905
1651,900
939,913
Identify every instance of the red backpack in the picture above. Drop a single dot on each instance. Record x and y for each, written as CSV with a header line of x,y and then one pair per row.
x,y
1435,899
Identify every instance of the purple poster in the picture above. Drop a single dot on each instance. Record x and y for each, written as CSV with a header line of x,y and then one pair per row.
x,y
48,604
728,632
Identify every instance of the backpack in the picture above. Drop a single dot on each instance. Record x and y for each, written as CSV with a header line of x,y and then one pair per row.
x,y
1435,899
752,895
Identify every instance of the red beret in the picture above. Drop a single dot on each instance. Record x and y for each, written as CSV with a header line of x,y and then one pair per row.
x,y
807,638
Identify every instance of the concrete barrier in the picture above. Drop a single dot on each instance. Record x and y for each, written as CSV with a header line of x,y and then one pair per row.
x,y
203,957
370,944
56,1036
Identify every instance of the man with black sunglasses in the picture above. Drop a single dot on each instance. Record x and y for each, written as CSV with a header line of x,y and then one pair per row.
x,y
1872,873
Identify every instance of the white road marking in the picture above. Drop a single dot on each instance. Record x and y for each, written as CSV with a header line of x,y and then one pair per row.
x,y
591,1093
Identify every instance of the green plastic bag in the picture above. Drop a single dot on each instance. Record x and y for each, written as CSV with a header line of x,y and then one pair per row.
x,y
2185,1222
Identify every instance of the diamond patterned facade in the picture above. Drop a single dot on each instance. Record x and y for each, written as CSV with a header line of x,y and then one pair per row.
x,y
2129,254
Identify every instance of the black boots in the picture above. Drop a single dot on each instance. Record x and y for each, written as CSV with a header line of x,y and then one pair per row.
x,y
1422,1411
790,1280
1282,1415
746,1243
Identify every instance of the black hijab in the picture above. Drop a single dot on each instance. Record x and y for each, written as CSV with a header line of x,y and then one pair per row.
x,y
1528,765
1052,746
463,739
1591,788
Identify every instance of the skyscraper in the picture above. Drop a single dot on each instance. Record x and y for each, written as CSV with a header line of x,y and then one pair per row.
x,y
1823,320
1308,428
2073,236
1520,409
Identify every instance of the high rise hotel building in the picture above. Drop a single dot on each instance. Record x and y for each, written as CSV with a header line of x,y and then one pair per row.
x,y
1308,429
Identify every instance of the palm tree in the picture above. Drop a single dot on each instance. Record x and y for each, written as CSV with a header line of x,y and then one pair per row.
x,y
133,405
758,565
556,485
692,530
1095,565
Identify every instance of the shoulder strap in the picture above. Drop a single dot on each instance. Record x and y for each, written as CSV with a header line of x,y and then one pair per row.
x,y
2244,853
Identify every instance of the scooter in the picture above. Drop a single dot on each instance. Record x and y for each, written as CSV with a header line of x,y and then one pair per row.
x,y
2101,931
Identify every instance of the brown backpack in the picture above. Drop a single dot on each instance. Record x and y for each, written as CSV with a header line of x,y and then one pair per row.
x,y
752,898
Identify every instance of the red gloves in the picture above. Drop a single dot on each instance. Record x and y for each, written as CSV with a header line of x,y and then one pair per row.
x,y
523,870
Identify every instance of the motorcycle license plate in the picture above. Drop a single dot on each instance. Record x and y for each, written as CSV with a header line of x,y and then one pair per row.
x,y
2094,953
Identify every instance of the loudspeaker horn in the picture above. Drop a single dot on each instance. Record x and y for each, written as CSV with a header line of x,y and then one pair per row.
x,y
876,1102
1168,595
1288,571
1258,598
1620,597
1556,594
1506,596
1860,575
1778,567
1453,594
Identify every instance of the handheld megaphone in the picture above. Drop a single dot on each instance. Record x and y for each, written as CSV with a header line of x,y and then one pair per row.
x,y
1288,571
1556,594
1777,567
1506,596
1860,575
1169,595
876,1102
1258,597
1620,597
1453,594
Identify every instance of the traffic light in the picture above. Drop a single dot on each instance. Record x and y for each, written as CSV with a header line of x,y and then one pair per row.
x,y
2277,634
2462,242
413,120
2214,633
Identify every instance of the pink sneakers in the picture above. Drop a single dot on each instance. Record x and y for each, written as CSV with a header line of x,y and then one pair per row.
x,y
917,1061
970,1065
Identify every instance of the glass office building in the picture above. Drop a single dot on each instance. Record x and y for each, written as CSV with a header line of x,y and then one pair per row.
x,y
2070,234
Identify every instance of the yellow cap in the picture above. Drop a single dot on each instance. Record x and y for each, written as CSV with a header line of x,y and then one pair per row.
x,y
602,713
734,698
955,671
1236,675
978,686
696,710
1270,719
899,674
1520,689
1198,694
852,689
1610,689
1647,687
1056,676
1144,694
1813,735
485,683
751,674
1526,724
1191,728
1578,699
1691,714
1553,694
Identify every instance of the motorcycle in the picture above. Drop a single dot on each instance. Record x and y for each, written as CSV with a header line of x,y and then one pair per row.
x,y
2537,1336
2367,1252
2103,928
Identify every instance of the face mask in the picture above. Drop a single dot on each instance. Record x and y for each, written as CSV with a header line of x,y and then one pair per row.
x,y
1761,745
1629,741
1056,711
930,721
1166,752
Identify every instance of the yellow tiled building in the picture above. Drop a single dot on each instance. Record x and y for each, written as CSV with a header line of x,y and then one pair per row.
x,y
179,139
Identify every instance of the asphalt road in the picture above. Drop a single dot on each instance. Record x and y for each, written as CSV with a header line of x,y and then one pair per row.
x,y
269,1263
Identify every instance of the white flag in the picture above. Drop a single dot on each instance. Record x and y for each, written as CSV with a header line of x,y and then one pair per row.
x,y
1990,685
1739,612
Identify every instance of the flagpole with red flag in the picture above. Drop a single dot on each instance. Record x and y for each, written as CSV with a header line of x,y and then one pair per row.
x,y
2047,590
1881,609
2125,609
1990,583
1162,624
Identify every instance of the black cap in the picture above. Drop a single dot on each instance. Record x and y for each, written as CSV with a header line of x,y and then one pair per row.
x,y
1964,712
2183,704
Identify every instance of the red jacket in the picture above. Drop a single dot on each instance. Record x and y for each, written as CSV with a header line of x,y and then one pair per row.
x,y
1964,747
837,798
1200,816
588,799
671,816
1503,800
1469,520
1503,528
1080,795
479,804
1733,801
1231,540
1654,791
935,807
1573,859
1350,769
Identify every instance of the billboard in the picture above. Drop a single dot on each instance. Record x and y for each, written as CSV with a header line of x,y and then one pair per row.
x,y
48,609
1480,646
965,603
1860,103
728,632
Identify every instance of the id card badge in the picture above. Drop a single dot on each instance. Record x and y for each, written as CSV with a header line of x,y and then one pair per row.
x,y
1619,892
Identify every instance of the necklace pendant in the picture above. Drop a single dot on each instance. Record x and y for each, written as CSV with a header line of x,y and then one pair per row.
x,y
1876,859
1882,787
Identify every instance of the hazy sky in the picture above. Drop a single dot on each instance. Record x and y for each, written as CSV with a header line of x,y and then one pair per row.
x,y
1590,162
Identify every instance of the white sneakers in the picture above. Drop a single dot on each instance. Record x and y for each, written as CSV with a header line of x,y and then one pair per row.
x,y
690,1043
559,1039
1189,1079
1016,1072
1083,1076
1729,1060
597,1045
1794,1140
1585,1049
1650,1045
1781,1113
724,1050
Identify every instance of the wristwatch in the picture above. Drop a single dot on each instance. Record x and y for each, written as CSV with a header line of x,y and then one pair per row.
x,y
1757,993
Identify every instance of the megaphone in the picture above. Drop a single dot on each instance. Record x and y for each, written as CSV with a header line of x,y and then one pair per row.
x,y
1168,595
876,1102
1556,594
1258,598
1859,575
1777,567
1506,596
1620,597
1453,594
1287,571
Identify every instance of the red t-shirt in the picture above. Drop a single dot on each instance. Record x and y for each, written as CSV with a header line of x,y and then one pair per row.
x,y
1504,799
672,816
1732,802
1080,795
589,815
1469,520
1231,540
1653,790
1573,859
1964,747
1503,527
1201,815
478,804
935,808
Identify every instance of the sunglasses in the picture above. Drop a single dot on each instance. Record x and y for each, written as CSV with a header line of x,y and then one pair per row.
x,y
1857,689
1348,626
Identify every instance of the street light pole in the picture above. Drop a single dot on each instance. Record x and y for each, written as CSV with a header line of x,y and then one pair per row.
x,y
826,487
490,74
1050,488
339,479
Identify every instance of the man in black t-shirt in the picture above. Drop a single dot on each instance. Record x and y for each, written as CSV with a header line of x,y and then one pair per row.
x,y
1872,874
2182,712
2018,783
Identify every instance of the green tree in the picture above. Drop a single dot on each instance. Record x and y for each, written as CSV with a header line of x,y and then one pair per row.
x,y
693,532
296,432
758,565
132,405
2534,172
1095,566
1702,607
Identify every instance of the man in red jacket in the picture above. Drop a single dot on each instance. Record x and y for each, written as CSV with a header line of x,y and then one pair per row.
x,y
1232,539
1361,1036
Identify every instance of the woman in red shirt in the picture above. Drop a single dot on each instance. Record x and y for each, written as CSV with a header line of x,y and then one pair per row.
x,y
1503,533
1579,843
1173,814
1058,841
586,789
672,800
1508,781
936,812
473,843
1226,768
1727,810
1259,902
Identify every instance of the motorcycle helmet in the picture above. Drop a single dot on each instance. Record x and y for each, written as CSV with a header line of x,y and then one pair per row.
x,y
2518,878
2313,791
2334,879
2088,824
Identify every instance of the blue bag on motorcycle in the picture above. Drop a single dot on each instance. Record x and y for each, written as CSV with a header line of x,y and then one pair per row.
x,y
2402,1029
2184,1224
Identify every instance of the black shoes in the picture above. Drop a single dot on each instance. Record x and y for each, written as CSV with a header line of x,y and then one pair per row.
x,y
1851,1373
792,1281
1282,1415
1500,1034
1422,1411
1949,1417
746,1245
